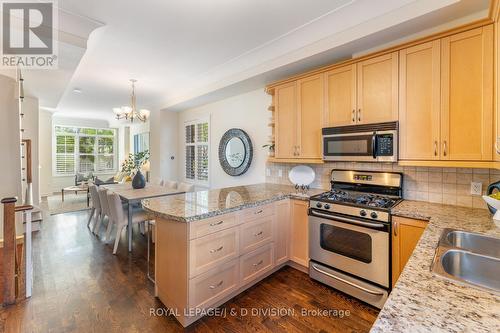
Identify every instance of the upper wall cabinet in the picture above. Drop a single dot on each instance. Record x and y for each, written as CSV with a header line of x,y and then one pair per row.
x,y
362,93
496,139
299,118
419,101
377,93
467,95
340,96
286,117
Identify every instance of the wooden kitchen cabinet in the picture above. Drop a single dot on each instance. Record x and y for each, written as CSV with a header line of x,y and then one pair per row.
x,y
419,101
299,251
405,236
467,95
496,139
340,96
282,231
309,116
377,89
286,118
299,119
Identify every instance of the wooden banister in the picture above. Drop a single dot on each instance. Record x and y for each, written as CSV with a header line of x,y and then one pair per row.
x,y
9,250
23,208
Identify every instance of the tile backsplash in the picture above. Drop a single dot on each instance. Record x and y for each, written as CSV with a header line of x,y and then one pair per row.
x,y
449,186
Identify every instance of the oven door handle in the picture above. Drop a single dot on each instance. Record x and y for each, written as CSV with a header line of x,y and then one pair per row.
x,y
366,290
344,219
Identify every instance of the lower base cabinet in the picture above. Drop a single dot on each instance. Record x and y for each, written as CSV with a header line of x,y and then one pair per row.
x,y
202,264
299,251
405,236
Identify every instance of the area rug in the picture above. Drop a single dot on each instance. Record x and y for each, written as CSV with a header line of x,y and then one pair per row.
x,y
72,203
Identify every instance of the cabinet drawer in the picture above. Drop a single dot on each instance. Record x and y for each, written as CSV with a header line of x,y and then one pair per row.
x,y
256,263
256,212
208,226
212,250
254,234
211,286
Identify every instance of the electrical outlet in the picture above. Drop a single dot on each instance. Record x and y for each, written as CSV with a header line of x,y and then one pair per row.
x,y
476,188
280,173
268,172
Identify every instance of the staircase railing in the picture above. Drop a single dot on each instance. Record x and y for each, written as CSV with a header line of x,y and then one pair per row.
x,y
11,266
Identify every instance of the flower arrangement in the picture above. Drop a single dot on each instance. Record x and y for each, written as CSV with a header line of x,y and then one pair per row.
x,y
134,162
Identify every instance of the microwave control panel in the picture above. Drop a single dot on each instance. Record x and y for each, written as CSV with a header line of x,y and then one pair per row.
x,y
385,146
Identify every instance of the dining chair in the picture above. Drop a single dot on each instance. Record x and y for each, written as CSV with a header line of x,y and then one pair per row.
x,y
103,199
151,225
170,184
95,213
185,187
119,216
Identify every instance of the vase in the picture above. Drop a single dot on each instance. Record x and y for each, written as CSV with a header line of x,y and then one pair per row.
x,y
139,181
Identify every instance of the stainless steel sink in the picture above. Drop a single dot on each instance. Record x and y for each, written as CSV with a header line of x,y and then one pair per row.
x,y
473,242
469,258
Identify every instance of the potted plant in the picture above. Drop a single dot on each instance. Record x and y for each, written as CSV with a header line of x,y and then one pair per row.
x,y
270,147
132,166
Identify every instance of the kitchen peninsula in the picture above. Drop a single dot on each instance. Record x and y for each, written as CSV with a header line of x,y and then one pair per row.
x,y
212,245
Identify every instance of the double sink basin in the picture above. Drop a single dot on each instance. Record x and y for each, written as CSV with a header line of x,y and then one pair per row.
x,y
469,258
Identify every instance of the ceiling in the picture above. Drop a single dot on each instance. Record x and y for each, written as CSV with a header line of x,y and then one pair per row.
x,y
187,52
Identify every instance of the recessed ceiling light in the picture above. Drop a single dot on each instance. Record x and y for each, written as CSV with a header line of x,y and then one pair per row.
x,y
77,90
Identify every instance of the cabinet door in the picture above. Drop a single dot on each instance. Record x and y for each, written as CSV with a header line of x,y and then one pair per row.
x,y
299,251
496,139
310,116
419,101
282,232
405,235
286,118
340,96
377,92
467,95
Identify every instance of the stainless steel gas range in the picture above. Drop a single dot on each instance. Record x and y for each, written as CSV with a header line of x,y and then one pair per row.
x,y
350,233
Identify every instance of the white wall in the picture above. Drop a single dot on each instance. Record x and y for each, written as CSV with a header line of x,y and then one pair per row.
x,y
10,177
45,151
163,145
247,112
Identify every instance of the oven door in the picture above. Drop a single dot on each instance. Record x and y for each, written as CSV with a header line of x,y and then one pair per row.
x,y
350,147
354,246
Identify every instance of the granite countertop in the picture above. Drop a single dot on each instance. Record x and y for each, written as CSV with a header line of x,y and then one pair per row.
x,y
423,302
194,206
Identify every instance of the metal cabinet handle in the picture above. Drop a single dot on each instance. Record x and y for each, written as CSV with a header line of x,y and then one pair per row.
x,y
258,212
435,148
216,250
259,263
298,150
395,228
258,233
214,224
294,150
216,285
444,148
353,115
359,115
496,147
347,282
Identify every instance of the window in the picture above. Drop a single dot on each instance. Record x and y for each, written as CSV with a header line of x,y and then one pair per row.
x,y
141,142
197,151
84,150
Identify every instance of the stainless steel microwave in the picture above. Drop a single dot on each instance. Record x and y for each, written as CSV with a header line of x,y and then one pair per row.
x,y
363,143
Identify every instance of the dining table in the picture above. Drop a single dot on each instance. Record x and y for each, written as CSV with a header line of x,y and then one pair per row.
x,y
132,196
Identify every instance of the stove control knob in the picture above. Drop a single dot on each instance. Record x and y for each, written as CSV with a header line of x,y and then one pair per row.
x,y
327,206
373,215
362,212
319,205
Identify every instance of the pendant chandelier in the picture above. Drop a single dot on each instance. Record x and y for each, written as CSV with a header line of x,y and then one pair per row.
x,y
131,112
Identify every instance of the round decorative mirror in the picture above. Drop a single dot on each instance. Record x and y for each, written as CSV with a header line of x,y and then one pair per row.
x,y
235,152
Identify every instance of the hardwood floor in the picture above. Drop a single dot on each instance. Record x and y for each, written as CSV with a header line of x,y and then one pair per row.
x,y
79,286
